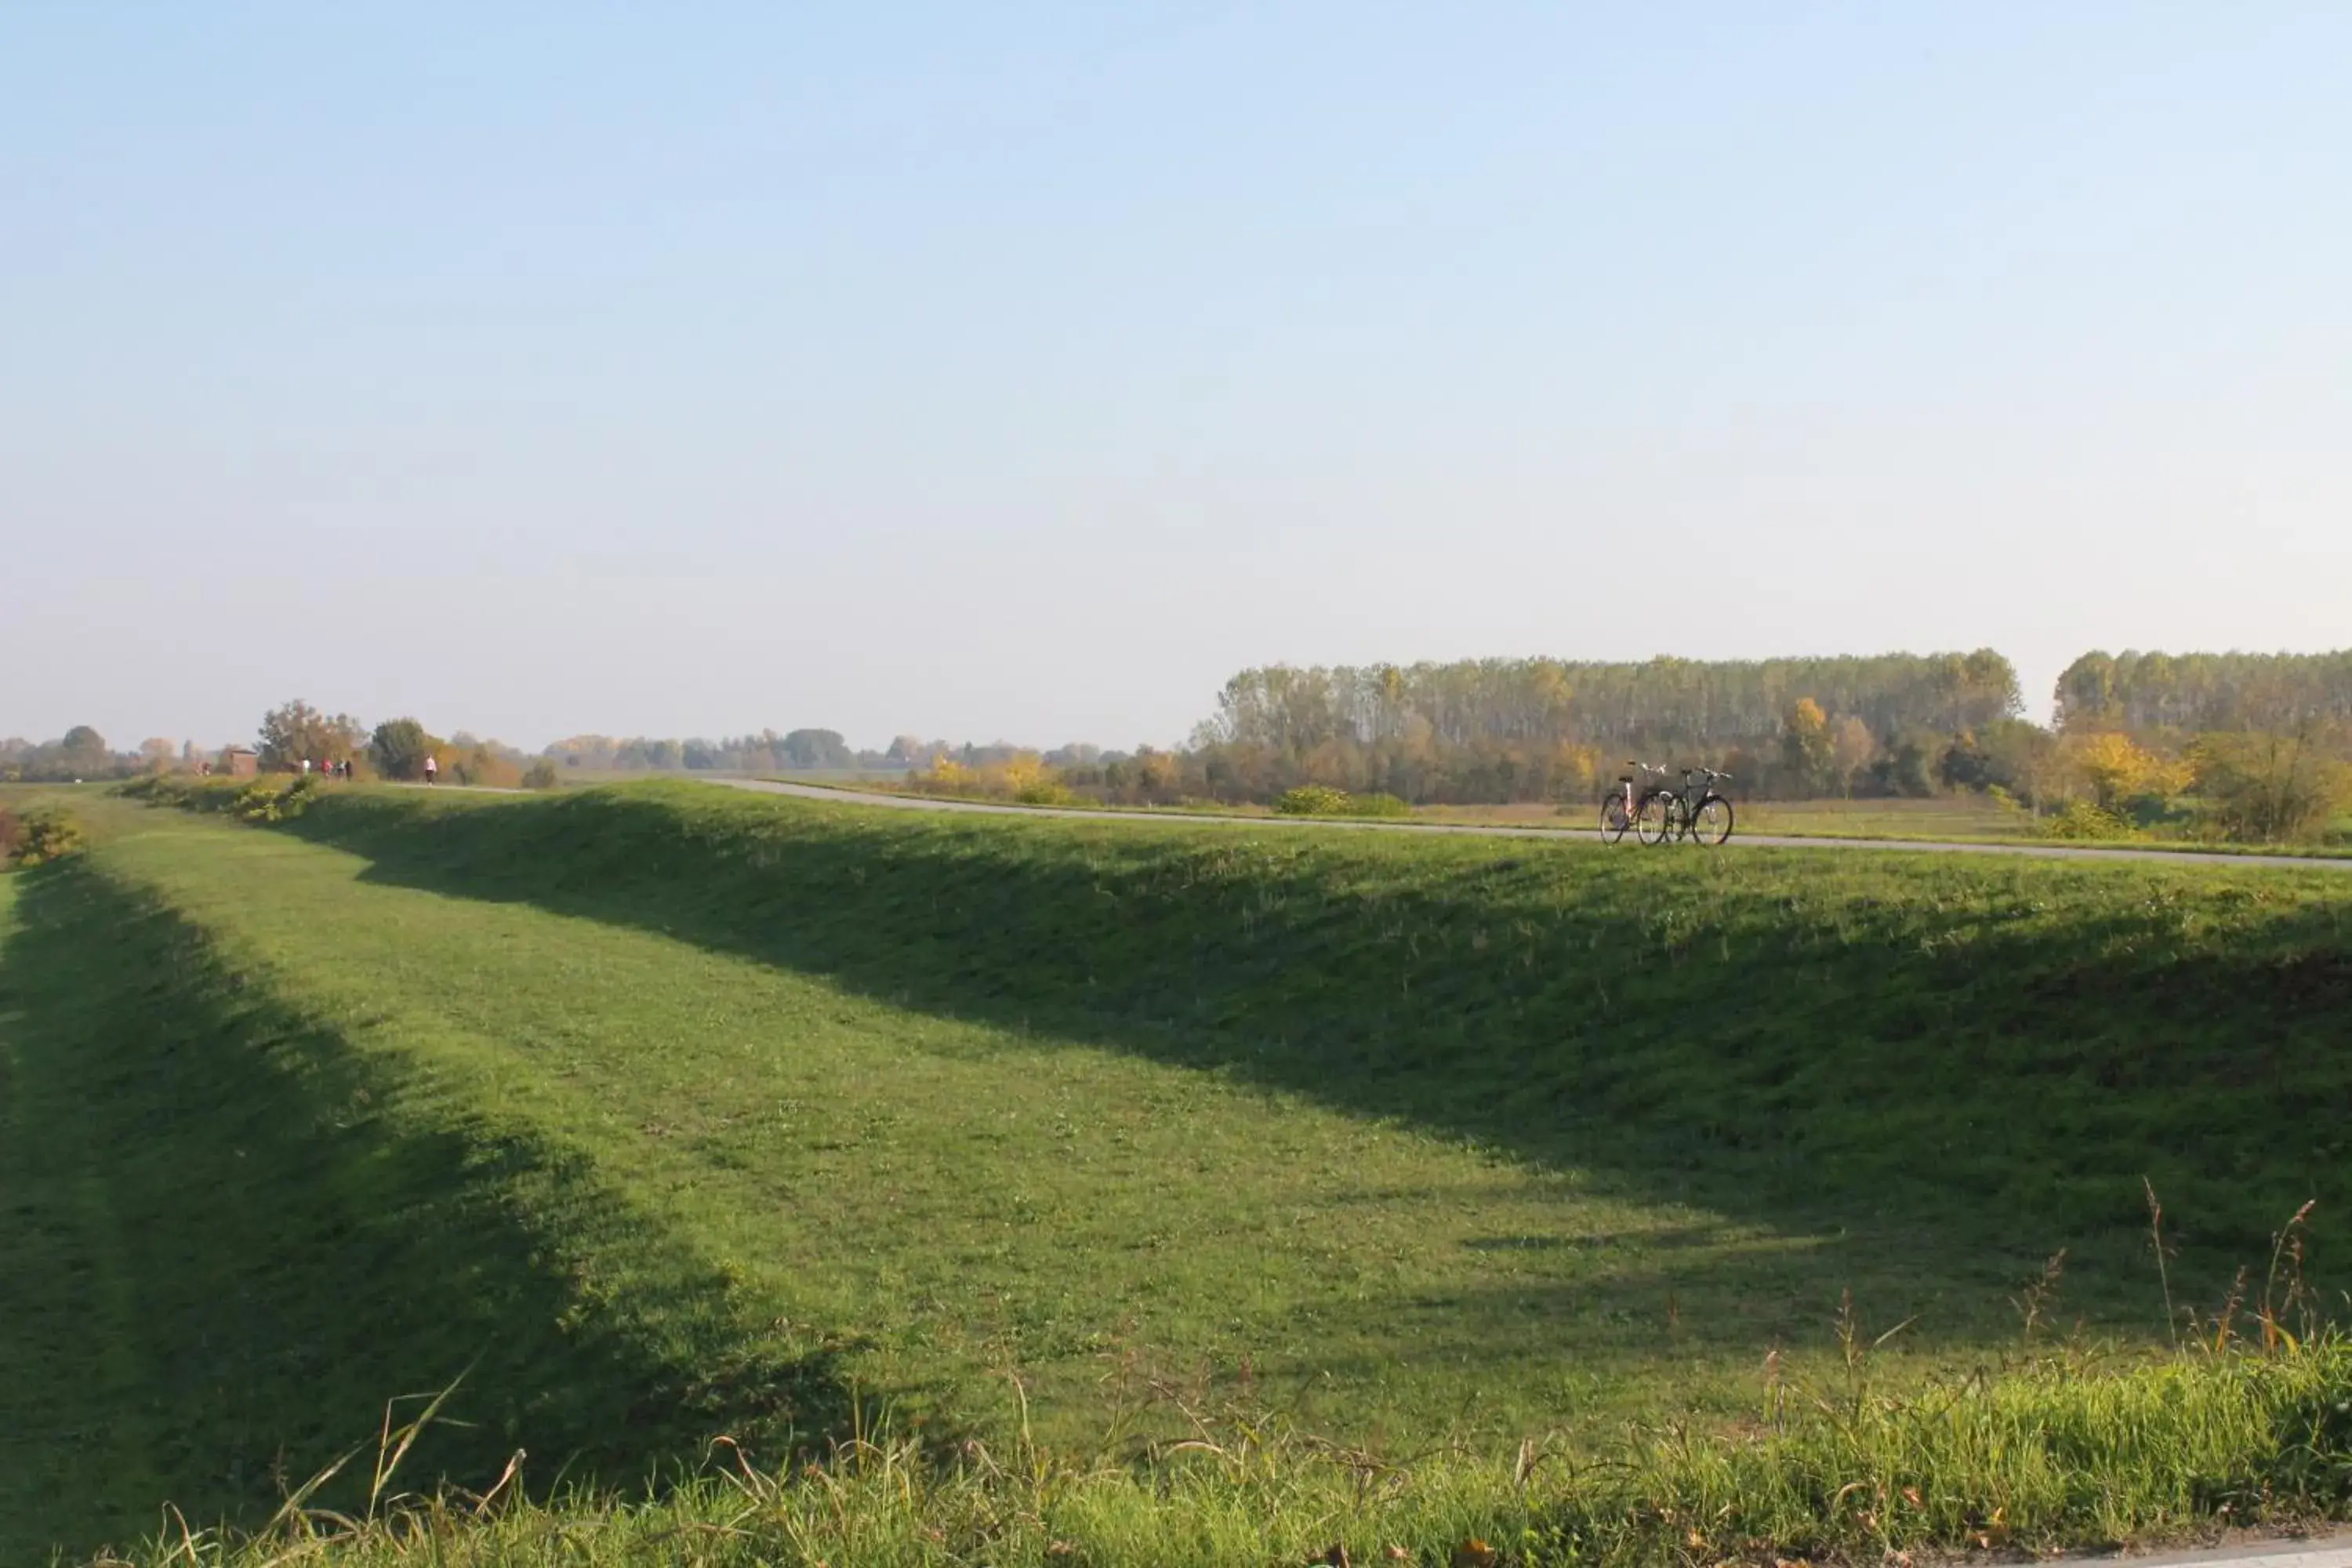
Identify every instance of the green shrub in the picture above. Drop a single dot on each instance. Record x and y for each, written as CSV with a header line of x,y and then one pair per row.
x,y
2267,789
540,775
44,835
269,800
1322,800
1311,800
156,789
2080,819
180,790
257,802
12,833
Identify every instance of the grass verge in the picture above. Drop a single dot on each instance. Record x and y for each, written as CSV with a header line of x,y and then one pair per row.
x,y
2055,1455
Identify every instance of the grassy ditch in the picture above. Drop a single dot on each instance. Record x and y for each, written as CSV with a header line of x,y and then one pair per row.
x,y
233,1236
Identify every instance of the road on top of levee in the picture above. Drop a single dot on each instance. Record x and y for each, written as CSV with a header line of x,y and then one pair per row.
x,y
842,796
2323,1550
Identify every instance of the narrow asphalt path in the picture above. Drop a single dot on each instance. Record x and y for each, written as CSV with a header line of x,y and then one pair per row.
x,y
2037,851
2324,1552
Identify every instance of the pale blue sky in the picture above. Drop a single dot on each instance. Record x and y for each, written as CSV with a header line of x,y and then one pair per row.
x,y
1024,371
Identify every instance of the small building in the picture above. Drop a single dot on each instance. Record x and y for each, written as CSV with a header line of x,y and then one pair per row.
x,y
241,763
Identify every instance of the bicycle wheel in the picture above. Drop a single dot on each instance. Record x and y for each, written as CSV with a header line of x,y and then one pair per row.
x,y
1613,820
1653,824
1712,825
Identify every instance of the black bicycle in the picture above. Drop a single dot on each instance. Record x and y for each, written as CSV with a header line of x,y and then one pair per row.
x,y
1642,810
1698,812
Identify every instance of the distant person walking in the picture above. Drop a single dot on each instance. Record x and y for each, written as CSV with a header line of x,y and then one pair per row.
x,y
431,770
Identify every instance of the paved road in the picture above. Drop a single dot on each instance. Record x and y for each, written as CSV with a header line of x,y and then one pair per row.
x,y
2333,1552
2038,851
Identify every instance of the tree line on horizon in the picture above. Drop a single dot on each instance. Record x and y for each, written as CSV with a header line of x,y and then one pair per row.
x,y
2259,742
289,735
2203,693
2267,761
1659,702
1537,728
796,751
2131,732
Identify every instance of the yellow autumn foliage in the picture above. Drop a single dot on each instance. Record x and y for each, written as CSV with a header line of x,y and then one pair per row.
x,y
2115,769
1024,777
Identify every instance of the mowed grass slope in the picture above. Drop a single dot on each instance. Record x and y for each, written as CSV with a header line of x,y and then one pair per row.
x,y
2008,1046
669,1111
376,1136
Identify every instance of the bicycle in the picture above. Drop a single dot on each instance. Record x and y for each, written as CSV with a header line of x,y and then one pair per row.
x,y
1624,809
1704,820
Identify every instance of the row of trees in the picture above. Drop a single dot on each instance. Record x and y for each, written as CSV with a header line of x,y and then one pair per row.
x,y
82,752
289,736
2252,746
396,749
1142,777
1504,730
2205,693
2260,741
1661,703
796,751
767,752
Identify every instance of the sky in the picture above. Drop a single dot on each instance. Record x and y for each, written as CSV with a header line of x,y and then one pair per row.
x,y
1025,371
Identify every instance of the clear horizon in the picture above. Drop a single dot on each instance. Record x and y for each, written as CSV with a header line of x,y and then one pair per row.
x,y
1025,375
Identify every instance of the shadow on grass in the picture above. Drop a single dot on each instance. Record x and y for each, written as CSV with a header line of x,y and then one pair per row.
x,y
1977,1060
228,1242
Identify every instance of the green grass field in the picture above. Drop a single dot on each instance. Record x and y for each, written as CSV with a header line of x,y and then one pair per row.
x,y
1940,819
664,1111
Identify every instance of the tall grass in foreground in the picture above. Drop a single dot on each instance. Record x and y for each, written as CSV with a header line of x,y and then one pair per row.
x,y
2063,1450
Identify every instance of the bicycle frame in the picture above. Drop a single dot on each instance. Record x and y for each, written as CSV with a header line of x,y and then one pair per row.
x,y
1625,787
1688,801
1628,801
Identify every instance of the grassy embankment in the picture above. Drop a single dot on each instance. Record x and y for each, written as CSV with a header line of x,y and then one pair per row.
x,y
669,1112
